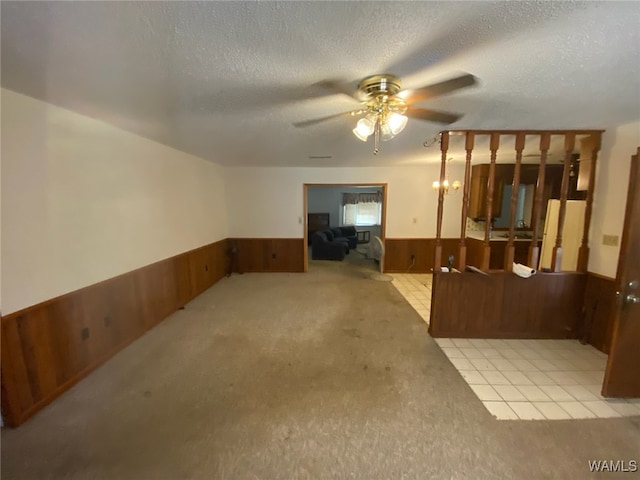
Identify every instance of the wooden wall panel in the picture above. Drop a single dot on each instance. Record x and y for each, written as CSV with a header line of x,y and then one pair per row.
x,y
17,394
457,306
475,249
182,279
503,305
269,254
158,297
398,251
47,348
599,300
542,306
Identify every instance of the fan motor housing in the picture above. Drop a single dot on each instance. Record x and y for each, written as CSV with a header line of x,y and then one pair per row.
x,y
381,84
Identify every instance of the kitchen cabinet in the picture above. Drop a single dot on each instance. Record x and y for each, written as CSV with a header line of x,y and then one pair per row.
x,y
504,177
479,188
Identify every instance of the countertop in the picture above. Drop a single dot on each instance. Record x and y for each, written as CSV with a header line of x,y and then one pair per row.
x,y
496,236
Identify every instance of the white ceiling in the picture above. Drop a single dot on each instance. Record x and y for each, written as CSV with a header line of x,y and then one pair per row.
x,y
225,80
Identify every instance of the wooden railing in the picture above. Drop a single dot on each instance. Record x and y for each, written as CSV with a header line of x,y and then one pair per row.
x,y
499,304
590,146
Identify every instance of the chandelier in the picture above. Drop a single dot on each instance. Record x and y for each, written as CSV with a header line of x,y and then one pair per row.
x,y
384,112
446,186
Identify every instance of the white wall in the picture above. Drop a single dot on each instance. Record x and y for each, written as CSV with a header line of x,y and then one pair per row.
x,y
83,201
610,195
268,202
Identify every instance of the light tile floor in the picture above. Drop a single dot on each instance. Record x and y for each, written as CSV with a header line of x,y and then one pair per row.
x,y
525,379
416,289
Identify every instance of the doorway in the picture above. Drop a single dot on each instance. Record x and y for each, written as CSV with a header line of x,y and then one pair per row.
x,y
328,199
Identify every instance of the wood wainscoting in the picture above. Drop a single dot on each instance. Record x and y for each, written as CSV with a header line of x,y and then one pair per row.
x,y
268,254
49,347
599,300
398,252
503,305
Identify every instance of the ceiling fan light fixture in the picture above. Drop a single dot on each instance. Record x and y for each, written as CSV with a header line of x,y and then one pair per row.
x,y
359,136
385,132
363,129
396,123
386,107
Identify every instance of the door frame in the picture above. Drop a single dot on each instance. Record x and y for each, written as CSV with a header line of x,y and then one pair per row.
x,y
608,389
305,210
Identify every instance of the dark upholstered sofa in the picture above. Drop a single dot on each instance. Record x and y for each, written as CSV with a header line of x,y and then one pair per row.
x,y
325,247
350,234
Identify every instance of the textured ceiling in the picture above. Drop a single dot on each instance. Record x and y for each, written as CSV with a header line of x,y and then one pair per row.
x,y
225,80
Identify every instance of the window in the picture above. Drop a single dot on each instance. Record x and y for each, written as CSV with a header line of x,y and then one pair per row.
x,y
362,214
362,209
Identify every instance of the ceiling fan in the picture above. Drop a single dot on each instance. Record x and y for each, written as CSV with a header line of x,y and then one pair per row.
x,y
386,107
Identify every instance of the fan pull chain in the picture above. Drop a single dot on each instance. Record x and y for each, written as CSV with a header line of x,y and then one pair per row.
x,y
376,138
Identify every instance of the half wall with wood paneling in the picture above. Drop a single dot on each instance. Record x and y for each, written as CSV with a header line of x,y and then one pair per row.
x,y
415,255
503,305
48,347
268,254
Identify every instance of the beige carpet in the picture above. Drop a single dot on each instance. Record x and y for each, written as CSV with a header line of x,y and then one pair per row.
x,y
328,374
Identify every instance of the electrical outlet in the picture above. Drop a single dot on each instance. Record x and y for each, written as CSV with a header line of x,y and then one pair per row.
x,y
206,268
413,257
84,333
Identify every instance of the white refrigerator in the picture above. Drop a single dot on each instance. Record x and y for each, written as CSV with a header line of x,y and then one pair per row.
x,y
571,234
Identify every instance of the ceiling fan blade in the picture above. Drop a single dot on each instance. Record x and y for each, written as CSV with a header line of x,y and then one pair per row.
x,y
307,123
437,89
336,86
432,115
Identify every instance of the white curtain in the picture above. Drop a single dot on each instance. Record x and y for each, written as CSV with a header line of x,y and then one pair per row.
x,y
361,209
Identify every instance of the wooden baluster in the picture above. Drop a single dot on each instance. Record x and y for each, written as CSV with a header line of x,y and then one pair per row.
x,y
534,249
556,257
462,250
444,146
583,252
486,251
510,250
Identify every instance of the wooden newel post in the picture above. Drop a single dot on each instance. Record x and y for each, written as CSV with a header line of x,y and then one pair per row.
x,y
510,250
556,257
583,253
444,146
462,249
534,248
